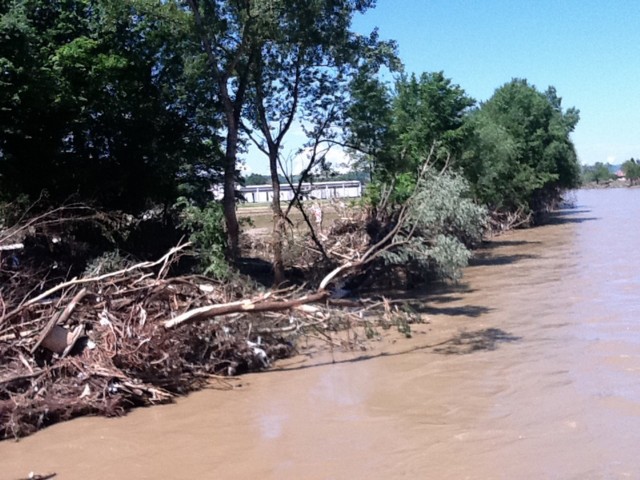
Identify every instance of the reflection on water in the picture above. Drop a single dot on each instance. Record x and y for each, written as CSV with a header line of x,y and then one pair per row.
x,y
529,369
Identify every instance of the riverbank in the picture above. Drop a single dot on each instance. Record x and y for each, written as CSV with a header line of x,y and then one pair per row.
x,y
138,336
608,184
446,325
539,362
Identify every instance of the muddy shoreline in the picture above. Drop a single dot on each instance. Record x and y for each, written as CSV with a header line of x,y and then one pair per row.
x,y
526,370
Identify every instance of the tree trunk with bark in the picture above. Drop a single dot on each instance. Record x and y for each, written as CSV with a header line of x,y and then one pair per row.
x,y
229,197
278,219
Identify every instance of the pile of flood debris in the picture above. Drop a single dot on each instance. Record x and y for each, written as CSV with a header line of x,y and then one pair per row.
x,y
118,335
137,336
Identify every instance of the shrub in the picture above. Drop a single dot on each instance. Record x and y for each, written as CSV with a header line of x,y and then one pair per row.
x,y
206,228
441,222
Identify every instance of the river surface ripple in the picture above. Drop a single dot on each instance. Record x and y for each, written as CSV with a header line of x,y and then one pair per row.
x,y
529,369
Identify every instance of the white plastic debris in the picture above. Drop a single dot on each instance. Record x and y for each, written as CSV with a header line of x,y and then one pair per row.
x,y
86,391
104,318
143,316
259,353
206,288
13,246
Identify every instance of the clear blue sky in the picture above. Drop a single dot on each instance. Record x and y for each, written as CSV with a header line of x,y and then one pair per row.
x,y
588,49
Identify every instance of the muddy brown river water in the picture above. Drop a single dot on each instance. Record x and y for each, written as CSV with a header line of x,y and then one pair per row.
x,y
529,369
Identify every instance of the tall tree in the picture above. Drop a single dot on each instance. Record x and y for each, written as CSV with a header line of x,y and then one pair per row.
x,y
631,169
230,35
520,154
369,120
276,62
427,110
307,55
398,130
599,172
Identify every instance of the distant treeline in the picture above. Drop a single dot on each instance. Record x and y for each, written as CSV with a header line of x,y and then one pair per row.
x,y
604,172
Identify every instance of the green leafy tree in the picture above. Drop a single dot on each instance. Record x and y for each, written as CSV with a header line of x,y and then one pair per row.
x,y
307,54
631,169
597,173
428,110
439,222
98,101
228,31
256,179
369,119
206,232
272,63
520,154
397,131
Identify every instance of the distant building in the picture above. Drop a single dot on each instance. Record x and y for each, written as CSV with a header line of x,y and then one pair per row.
x,y
318,190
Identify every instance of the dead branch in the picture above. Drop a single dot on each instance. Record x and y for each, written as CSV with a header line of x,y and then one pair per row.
x,y
254,305
80,281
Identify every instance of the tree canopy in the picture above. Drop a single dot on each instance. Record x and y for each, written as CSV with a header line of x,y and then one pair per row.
x,y
515,149
102,100
599,172
631,169
519,153
135,104
393,132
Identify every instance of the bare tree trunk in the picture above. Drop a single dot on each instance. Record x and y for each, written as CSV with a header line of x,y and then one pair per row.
x,y
222,72
229,197
278,219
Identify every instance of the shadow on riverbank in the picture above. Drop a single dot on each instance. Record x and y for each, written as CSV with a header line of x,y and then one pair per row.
x,y
473,311
484,260
561,217
469,342
463,343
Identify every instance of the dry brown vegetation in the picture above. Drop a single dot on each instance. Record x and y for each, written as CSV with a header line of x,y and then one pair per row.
x,y
103,343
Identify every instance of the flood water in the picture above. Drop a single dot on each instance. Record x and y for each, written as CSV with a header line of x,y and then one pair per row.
x,y
529,369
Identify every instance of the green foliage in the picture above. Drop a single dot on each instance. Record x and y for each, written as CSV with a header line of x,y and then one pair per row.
x,y
396,132
108,262
398,191
369,120
631,169
442,221
101,100
257,179
515,149
519,153
596,173
206,228
427,111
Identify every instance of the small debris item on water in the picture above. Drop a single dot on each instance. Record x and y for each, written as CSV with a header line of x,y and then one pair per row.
x,y
35,476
